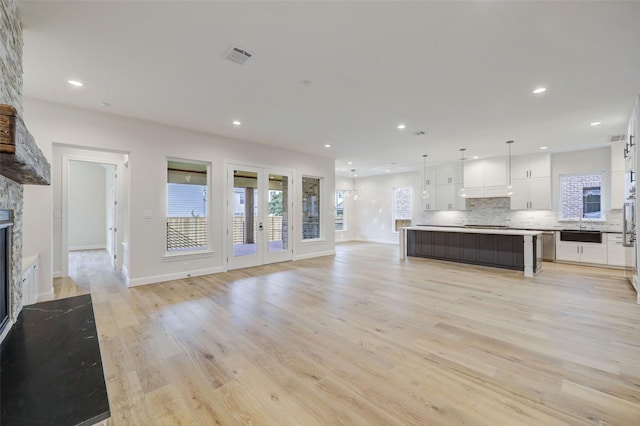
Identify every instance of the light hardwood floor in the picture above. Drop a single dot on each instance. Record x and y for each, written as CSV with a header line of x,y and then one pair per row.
x,y
363,338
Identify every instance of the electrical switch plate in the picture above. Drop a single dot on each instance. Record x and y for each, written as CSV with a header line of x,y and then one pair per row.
x,y
147,214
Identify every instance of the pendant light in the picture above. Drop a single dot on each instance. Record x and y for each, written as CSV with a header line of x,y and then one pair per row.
x,y
353,192
425,194
509,186
462,192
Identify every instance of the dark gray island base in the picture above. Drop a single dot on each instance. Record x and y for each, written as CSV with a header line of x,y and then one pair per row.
x,y
507,249
51,370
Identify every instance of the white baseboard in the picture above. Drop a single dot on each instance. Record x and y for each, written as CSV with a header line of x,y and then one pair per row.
x,y
43,297
317,254
57,274
173,276
89,247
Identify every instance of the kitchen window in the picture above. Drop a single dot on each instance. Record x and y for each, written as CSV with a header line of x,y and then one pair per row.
x,y
187,222
581,196
401,208
340,217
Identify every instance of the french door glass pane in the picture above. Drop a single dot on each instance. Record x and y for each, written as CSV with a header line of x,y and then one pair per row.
x,y
278,213
245,213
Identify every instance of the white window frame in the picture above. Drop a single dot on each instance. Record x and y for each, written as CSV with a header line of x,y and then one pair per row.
x,y
602,217
304,206
344,209
393,206
188,253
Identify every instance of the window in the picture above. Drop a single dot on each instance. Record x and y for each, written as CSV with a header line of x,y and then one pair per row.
x,y
581,196
310,208
187,206
401,207
341,224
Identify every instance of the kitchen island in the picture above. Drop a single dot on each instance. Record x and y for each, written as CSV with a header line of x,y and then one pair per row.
x,y
501,248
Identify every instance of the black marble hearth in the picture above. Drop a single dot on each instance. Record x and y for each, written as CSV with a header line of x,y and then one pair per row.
x,y
51,370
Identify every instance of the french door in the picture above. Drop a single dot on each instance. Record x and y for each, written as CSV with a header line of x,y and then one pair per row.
x,y
259,212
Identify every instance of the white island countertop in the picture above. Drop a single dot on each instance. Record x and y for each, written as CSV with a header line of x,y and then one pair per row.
x,y
498,231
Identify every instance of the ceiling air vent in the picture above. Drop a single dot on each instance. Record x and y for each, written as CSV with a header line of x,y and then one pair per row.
x,y
238,55
617,138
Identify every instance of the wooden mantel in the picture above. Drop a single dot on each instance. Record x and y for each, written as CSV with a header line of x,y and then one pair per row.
x,y
20,158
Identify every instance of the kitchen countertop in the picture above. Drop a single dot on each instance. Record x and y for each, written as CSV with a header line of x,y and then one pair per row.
x,y
51,368
520,228
473,230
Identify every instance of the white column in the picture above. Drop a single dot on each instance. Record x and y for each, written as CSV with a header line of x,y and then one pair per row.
x,y
403,243
528,255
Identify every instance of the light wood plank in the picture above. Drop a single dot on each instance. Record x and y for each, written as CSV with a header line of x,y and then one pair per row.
x,y
364,338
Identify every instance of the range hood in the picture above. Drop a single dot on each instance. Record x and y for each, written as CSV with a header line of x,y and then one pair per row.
x,y
20,158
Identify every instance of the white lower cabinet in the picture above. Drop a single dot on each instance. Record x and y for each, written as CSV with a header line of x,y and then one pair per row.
x,y
570,251
615,250
30,281
531,194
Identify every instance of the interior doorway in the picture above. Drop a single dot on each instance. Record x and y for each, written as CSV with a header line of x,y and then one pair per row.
x,y
259,216
93,210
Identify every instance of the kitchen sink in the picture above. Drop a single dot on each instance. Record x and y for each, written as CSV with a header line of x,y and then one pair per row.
x,y
581,236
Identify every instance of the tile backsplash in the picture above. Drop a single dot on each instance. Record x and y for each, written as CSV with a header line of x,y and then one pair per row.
x,y
497,211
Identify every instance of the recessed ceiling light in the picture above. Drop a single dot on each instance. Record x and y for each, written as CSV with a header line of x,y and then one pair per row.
x,y
475,157
327,146
540,90
104,104
236,123
349,162
544,147
355,175
75,83
401,126
388,171
596,123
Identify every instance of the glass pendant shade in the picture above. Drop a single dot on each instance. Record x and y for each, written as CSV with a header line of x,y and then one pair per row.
x,y
425,193
462,192
509,188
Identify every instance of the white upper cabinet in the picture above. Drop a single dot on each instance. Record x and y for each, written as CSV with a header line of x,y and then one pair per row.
x,y
474,174
531,181
617,174
531,166
447,174
495,171
486,178
617,156
430,179
448,182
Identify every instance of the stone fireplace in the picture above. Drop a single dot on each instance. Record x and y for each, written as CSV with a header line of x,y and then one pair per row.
x,y
15,146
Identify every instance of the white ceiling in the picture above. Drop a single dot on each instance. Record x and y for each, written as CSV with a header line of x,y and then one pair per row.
x,y
462,72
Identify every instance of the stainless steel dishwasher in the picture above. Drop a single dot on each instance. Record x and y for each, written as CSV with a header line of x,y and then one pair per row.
x,y
549,246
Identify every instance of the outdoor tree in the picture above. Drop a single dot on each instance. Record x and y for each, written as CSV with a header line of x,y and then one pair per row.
x,y
275,204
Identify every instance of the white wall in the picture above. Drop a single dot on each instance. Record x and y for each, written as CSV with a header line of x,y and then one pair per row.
x,y
374,211
87,206
148,146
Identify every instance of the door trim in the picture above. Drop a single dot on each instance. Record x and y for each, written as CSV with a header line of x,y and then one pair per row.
x,y
227,232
